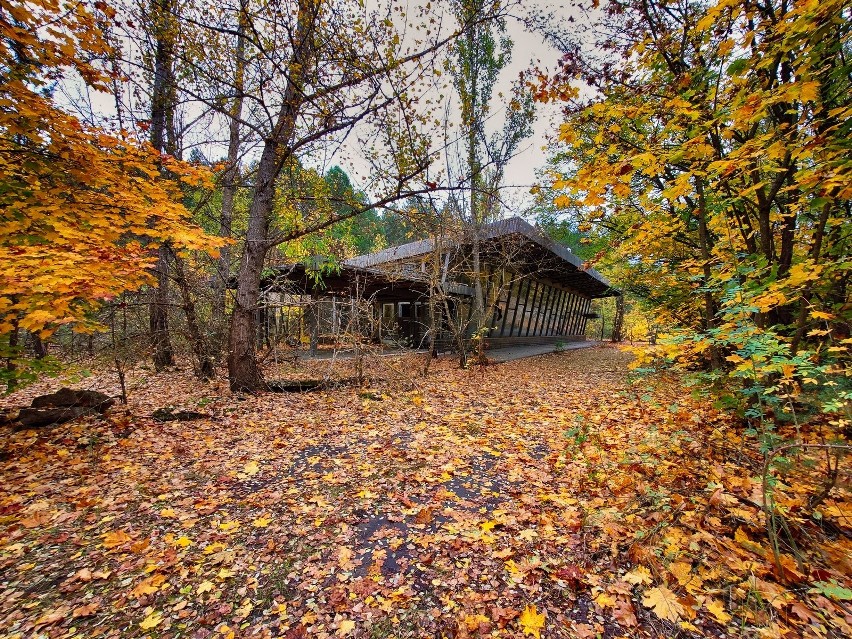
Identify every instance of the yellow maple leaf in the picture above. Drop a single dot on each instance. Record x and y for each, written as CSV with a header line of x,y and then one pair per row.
x,y
252,468
148,586
205,586
473,621
604,600
531,621
639,575
151,621
346,626
717,609
168,512
664,603
229,526
262,522
183,541
116,538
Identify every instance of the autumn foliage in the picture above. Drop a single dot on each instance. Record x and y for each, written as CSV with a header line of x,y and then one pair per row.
x,y
81,207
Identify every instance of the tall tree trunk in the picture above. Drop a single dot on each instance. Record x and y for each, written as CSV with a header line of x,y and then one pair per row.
x,y
243,368
203,362
229,190
618,320
159,314
705,241
163,140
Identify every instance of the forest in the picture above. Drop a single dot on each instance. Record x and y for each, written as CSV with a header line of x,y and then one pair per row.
x,y
344,318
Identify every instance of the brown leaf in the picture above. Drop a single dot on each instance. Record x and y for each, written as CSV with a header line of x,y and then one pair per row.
x,y
86,611
624,613
424,516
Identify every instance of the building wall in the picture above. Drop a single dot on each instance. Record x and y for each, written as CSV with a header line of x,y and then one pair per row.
x,y
533,307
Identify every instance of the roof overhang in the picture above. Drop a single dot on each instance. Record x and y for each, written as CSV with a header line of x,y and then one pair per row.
x,y
516,242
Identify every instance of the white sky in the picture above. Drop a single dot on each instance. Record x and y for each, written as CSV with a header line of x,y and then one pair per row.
x,y
521,172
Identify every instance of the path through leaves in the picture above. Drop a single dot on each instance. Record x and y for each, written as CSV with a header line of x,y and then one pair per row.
x,y
549,497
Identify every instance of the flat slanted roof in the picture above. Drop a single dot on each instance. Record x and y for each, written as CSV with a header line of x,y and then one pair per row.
x,y
537,253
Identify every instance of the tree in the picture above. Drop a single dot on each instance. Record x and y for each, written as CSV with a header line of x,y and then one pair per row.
x,y
477,57
717,148
230,181
80,208
338,68
163,134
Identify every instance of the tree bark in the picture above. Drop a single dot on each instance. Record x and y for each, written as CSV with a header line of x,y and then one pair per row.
x,y
203,362
243,368
618,320
704,241
159,315
229,190
163,140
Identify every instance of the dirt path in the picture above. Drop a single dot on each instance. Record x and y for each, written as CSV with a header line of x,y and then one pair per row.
x,y
466,504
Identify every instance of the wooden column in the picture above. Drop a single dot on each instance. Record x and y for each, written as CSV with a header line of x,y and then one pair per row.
x,y
526,292
554,315
535,287
586,307
575,316
508,303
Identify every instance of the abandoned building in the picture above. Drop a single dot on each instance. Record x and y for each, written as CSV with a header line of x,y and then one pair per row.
x,y
535,291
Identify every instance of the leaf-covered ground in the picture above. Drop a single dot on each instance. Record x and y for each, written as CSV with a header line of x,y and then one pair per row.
x,y
552,497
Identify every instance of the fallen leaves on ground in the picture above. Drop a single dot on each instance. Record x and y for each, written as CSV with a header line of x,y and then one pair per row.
x,y
552,497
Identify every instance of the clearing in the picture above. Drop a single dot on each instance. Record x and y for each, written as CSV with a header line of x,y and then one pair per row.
x,y
555,496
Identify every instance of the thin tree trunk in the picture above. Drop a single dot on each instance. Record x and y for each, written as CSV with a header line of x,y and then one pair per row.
x,y
159,316
162,117
704,241
314,320
39,347
618,320
203,362
11,365
229,190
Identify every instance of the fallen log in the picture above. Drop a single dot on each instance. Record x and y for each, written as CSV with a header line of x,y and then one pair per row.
x,y
69,397
39,417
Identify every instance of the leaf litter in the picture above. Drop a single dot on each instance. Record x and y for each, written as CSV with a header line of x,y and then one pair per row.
x,y
548,497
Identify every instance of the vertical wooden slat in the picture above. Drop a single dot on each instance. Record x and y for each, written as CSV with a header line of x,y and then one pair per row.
x,y
563,316
580,324
520,324
554,316
566,320
526,291
530,320
542,310
585,310
548,310
506,310
575,309
558,315
534,321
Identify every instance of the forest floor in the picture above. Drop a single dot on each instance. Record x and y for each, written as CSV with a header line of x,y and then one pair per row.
x,y
558,496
